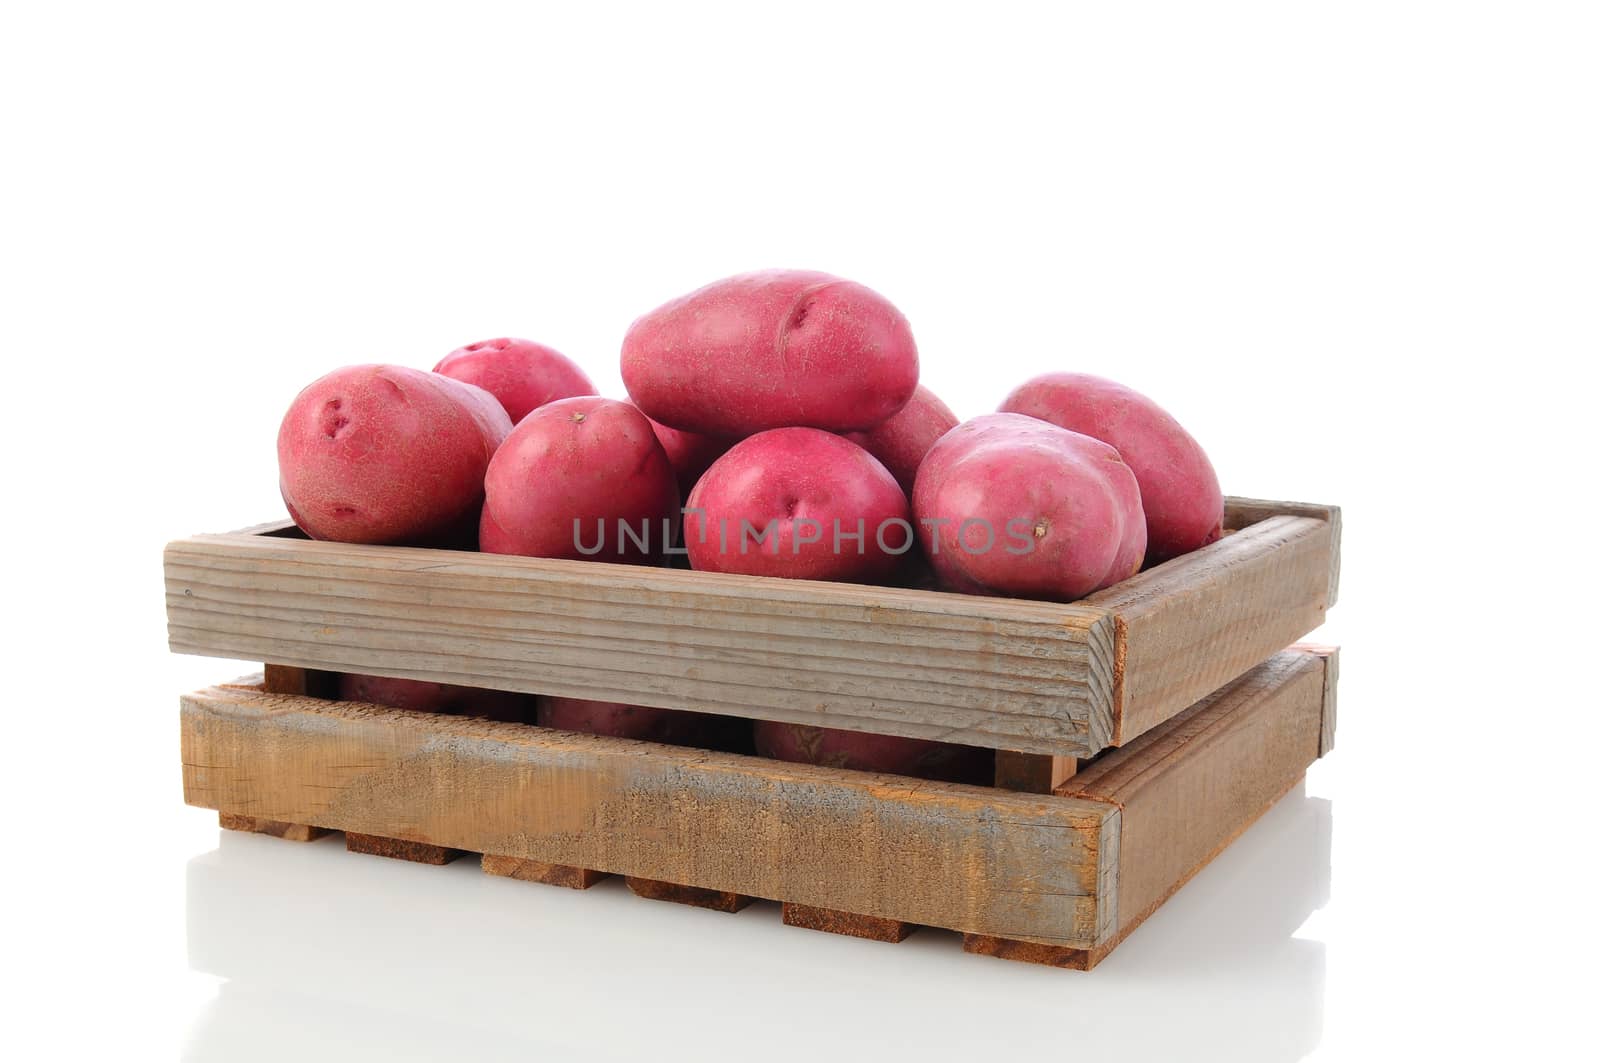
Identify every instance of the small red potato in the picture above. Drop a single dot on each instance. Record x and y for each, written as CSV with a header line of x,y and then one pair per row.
x,y
1007,504
904,439
690,454
774,349
418,695
798,503
1182,501
702,730
802,744
387,454
581,478
521,374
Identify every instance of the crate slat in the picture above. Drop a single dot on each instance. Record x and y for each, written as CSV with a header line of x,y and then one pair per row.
x,y
919,852
1035,678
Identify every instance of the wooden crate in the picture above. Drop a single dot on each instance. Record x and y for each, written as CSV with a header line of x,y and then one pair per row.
x,y
1034,678
1056,878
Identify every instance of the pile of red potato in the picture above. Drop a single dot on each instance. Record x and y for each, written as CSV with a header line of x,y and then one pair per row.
x,y
774,427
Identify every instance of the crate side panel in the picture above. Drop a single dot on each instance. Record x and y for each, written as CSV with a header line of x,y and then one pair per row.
x,y
1190,786
994,672
1186,627
966,858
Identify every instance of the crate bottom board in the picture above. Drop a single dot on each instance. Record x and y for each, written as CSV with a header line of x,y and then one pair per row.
x,y
1058,879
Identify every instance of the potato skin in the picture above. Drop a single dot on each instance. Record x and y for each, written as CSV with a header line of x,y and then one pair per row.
x,y
416,695
387,454
862,751
902,441
772,349
791,476
691,454
586,459
702,730
1182,500
521,374
1059,512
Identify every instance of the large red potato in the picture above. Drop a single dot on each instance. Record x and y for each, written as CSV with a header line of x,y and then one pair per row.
x,y
798,503
418,695
774,349
521,374
902,441
387,454
862,751
1007,504
1182,500
701,729
581,478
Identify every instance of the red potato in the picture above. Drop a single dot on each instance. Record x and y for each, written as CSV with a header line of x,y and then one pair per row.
x,y
581,478
387,454
691,454
418,695
1011,505
798,503
774,349
1182,500
904,439
862,751
700,729
521,374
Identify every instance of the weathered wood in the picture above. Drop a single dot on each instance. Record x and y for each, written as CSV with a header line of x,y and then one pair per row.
x,y
577,878
399,848
830,921
1031,676
1186,627
1189,787
694,896
1033,952
292,832
971,858
1034,677
1243,512
1033,773
1330,691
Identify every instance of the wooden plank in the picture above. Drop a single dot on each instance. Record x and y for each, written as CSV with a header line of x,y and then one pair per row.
x,y
1186,627
970,858
830,921
1189,787
694,896
292,832
1243,512
399,848
577,878
1033,773
1030,676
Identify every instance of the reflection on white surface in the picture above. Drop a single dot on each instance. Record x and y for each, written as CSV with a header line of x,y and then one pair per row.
x,y
331,955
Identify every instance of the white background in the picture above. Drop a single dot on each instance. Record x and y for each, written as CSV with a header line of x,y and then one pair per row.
x,y
1352,246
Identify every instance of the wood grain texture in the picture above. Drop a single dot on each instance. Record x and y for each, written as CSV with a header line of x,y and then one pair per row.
x,y
1033,773
1189,787
1033,952
576,878
292,832
847,923
694,896
1186,627
968,858
1243,512
400,848
1031,676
